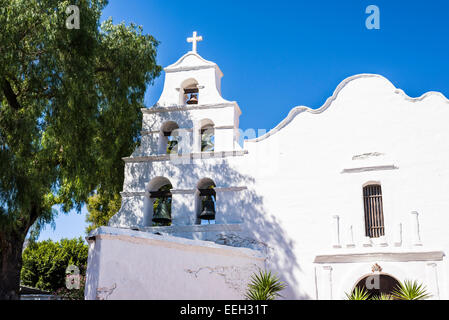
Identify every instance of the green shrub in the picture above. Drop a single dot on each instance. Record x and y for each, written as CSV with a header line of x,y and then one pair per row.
x,y
45,263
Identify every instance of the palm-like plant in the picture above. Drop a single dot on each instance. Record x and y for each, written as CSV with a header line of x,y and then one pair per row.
x,y
264,286
383,296
411,290
358,294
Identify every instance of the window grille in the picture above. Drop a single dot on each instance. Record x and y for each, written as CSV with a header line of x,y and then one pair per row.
x,y
374,216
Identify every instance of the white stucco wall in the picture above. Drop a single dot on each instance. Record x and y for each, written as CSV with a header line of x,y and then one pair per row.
x,y
309,184
138,265
280,193
192,66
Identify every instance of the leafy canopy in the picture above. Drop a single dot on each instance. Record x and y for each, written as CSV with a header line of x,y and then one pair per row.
x,y
70,104
101,207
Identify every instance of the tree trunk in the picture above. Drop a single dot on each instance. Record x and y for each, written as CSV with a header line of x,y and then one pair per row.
x,y
10,265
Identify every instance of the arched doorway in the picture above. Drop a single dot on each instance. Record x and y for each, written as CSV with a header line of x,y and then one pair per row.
x,y
377,284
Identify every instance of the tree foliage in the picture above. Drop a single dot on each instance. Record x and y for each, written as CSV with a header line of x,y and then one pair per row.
x,y
101,207
45,263
70,104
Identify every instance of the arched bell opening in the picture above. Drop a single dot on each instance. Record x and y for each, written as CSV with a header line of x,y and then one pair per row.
x,y
168,138
160,207
205,201
189,92
377,284
207,135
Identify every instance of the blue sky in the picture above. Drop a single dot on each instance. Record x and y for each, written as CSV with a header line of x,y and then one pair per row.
x,y
276,55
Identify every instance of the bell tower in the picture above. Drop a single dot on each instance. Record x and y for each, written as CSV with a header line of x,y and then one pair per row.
x,y
192,80
191,101
175,177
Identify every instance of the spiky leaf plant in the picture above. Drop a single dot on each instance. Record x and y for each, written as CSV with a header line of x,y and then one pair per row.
x,y
382,296
264,286
358,294
411,290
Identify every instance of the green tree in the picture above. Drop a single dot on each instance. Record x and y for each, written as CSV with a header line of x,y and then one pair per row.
x,y
70,103
101,207
45,263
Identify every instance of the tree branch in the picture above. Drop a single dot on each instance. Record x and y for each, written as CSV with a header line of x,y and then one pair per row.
x,y
10,95
103,69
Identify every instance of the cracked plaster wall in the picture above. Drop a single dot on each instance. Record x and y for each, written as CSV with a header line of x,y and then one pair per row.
x,y
143,266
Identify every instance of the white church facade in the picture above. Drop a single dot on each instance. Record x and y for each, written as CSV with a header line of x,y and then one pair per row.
x,y
330,197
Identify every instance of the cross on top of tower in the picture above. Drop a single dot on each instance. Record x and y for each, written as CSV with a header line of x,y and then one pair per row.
x,y
194,39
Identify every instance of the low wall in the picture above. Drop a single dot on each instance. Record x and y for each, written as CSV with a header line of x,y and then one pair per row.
x,y
126,264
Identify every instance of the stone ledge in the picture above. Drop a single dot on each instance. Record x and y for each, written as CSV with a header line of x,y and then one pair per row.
x,y
130,194
150,132
186,156
370,168
194,228
146,238
171,108
381,256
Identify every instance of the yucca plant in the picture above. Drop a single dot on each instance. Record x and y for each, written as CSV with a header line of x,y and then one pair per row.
x,y
358,294
383,296
410,290
264,286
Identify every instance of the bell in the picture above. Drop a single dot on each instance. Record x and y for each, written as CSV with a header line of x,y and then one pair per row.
x,y
172,146
193,99
208,212
162,212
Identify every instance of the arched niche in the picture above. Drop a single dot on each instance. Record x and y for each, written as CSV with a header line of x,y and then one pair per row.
x,y
168,138
159,195
189,92
207,135
204,194
377,283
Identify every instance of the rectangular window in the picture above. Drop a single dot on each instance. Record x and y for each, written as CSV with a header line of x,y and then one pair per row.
x,y
374,216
